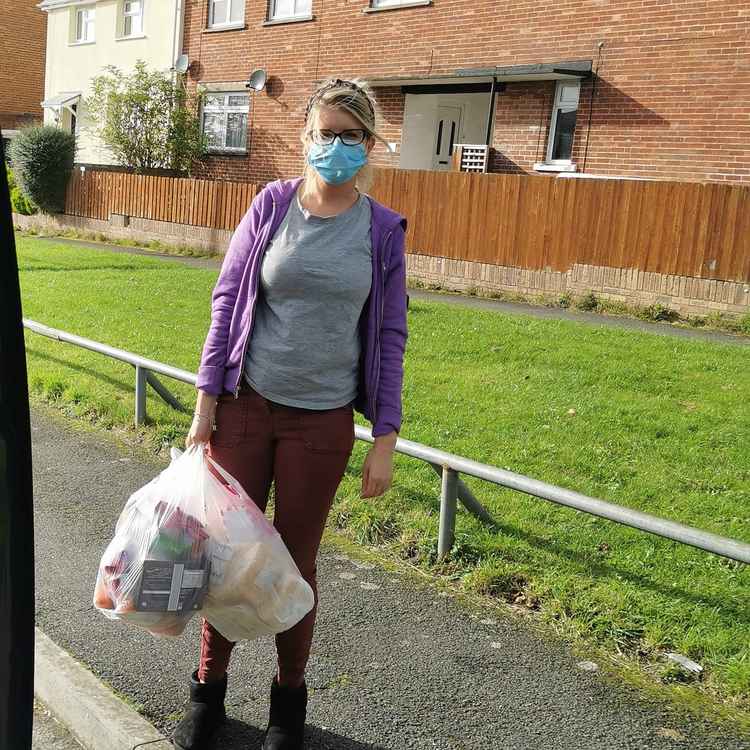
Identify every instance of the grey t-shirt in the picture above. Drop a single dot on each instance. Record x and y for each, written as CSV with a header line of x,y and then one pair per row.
x,y
314,281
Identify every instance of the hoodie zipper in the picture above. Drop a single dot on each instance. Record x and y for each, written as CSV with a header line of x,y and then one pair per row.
x,y
252,314
376,382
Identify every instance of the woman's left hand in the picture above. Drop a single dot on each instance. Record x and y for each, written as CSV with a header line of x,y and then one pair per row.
x,y
377,472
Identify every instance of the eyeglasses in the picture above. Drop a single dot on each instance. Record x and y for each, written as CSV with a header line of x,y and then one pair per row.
x,y
326,137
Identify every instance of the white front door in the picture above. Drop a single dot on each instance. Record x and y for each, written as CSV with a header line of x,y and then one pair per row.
x,y
446,134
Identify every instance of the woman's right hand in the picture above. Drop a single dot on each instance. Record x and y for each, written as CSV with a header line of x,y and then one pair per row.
x,y
200,431
203,420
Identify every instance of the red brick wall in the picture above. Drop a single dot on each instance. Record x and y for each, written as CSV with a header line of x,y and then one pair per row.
x,y
23,39
390,104
672,99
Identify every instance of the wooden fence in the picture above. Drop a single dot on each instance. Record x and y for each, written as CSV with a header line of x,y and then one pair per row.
x,y
202,203
686,229
535,222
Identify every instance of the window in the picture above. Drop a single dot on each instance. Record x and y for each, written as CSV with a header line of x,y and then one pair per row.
x,y
226,12
563,125
84,24
132,18
225,121
290,9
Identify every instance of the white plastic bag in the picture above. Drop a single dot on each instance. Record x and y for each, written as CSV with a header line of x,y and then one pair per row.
x,y
255,587
192,539
154,573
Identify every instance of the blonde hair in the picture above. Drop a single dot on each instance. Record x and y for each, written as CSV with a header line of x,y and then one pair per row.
x,y
356,98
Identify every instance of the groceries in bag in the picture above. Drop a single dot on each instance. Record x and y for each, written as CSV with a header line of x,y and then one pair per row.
x,y
255,587
154,573
193,540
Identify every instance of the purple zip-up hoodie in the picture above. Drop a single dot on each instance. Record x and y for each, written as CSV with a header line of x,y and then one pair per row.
x,y
382,325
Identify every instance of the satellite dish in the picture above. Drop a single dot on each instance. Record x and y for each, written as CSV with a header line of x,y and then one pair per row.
x,y
182,64
257,79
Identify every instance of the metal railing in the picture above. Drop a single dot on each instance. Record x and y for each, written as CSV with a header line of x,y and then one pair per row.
x,y
447,465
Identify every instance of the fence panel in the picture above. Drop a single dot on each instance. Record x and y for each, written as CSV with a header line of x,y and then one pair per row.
x,y
686,229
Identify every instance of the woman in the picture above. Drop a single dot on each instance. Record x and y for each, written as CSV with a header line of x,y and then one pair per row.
x,y
308,322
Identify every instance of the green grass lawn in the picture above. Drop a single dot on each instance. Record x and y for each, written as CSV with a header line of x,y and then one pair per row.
x,y
655,423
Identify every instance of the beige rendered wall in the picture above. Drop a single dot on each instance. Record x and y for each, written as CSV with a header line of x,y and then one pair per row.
x,y
71,66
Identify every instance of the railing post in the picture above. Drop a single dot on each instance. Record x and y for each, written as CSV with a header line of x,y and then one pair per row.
x,y
141,374
448,502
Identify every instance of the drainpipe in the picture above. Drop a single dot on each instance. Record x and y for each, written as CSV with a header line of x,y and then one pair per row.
x,y
177,32
491,113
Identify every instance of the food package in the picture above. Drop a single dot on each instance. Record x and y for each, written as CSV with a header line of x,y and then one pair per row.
x,y
154,573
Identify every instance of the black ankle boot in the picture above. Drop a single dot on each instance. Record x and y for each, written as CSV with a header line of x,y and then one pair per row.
x,y
286,722
203,715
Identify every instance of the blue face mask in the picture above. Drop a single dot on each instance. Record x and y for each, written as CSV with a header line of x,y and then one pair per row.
x,y
337,163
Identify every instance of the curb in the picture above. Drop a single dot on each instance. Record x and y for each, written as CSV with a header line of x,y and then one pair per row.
x,y
93,713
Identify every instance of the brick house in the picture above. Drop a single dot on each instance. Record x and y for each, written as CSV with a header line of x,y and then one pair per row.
x,y
649,88
22,44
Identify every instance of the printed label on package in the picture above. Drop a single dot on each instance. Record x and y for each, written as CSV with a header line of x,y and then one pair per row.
x,y
172,586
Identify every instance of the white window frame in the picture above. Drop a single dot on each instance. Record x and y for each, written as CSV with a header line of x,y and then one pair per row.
x,y
297,13
124,15
226,22
556,107
226,109
88,25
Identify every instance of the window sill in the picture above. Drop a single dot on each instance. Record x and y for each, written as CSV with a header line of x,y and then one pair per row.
x,y
226,152
128,38
280,21
548,167
379,8
232,87
227,27
80,44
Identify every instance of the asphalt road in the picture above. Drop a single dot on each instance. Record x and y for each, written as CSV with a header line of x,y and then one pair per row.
x,y
395,665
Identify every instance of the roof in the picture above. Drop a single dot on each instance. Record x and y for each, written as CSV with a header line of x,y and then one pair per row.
x,y
533,72
62,99
572,69
53,4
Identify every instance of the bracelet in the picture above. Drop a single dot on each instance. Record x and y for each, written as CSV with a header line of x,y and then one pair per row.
x,y
205,416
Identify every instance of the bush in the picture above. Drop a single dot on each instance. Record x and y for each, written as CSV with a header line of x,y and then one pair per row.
x,y
588,302
659,312
20,203
146,118
42,159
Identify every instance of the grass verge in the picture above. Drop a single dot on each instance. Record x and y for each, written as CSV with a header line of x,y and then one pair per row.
x,y
656,313
654,423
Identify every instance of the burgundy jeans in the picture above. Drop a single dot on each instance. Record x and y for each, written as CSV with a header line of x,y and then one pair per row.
x,y
304,453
